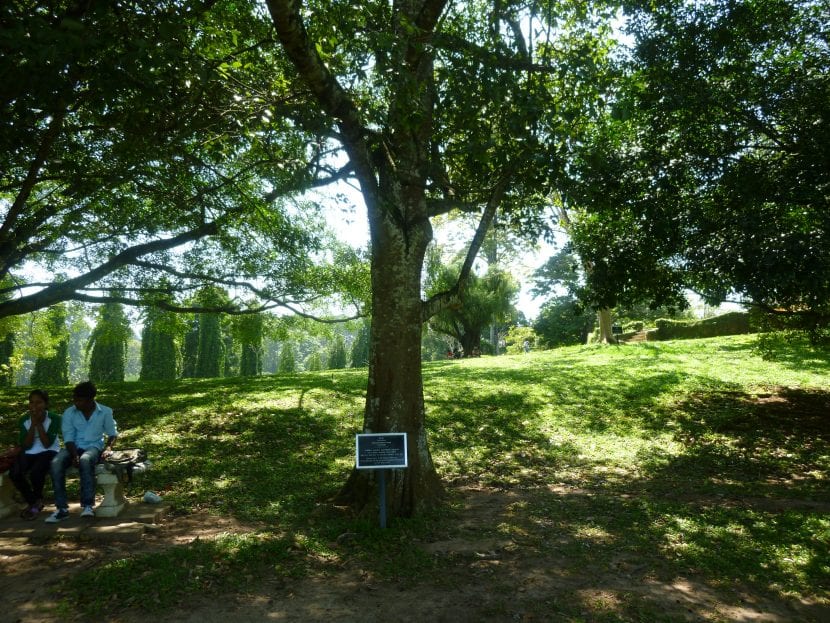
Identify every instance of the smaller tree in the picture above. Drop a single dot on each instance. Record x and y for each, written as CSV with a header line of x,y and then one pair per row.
x,y
248,331
107,344
337,354
7,371
190,348
314,362
52,365
210,355
360,346
517,336
486,300
288,359
562,322
159,350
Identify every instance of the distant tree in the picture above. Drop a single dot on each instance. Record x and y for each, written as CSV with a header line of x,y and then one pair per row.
x,y
210,356
337,354
132,364
562,321
434,345
249,332
159,352
9,363
77,322
486,300
288,360
360,346
190,348
7,373
270,355
314,362
233,352
52,367
516,338
107,344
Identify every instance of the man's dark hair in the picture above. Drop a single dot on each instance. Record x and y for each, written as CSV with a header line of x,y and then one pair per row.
x,y
86,389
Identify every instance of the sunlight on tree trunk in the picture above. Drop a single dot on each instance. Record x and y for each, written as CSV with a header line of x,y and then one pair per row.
x,y
606,335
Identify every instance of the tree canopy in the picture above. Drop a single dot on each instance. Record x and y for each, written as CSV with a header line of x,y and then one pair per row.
x,y
709,169
486,299
147,143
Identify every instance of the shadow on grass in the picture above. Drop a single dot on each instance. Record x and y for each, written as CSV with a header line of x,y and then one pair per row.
x,y
774,445
744,508
723,486
791,350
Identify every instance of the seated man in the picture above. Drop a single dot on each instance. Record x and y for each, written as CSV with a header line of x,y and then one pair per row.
x,y
84,426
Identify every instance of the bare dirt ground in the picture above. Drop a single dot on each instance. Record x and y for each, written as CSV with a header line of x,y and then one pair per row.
x,y
490,579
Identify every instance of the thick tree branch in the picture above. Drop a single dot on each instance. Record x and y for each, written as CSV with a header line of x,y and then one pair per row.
x,y
68,290
10,223
326,90
300,49
230,309
439,301
490,57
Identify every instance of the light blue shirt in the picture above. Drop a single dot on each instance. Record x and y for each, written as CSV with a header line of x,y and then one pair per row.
x,y
88,433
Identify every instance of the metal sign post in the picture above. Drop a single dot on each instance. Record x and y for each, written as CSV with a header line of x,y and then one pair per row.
x,y
381,451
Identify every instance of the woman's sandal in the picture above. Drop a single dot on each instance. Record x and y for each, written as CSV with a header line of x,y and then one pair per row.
x,y
30,512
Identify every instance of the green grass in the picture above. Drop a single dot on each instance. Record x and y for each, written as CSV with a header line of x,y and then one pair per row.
x,y
685,456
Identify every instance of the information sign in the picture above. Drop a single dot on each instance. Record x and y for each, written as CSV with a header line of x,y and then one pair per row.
x,y
381,450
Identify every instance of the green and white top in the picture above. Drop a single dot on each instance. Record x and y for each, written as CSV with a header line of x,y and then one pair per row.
x,y
52,424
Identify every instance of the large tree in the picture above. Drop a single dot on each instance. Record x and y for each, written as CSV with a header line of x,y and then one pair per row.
x,y
136,130
711,169
437,106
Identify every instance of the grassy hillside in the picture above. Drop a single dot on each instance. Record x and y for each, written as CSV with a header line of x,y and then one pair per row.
x,y
690,455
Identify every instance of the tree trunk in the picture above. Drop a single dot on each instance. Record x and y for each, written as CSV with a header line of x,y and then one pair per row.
x,y
606,336
470,341
395,397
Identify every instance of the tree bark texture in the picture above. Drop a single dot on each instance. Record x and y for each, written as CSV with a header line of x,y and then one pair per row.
x,y
606,336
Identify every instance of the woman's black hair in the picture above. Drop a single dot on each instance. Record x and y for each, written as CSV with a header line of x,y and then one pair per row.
x,y
42,393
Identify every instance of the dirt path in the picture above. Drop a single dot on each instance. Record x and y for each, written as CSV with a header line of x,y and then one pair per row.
x,y
488,578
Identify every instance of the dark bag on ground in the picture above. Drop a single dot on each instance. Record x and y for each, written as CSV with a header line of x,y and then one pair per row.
x,y
123,462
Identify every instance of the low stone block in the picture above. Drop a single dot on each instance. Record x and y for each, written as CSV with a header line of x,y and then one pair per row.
x,y
7,505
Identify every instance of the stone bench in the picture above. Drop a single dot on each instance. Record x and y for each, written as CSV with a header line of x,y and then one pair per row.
x,y
108,480
7,504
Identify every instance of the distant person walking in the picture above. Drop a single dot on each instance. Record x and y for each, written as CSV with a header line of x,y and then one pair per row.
x,y
84,426
39,443
526,346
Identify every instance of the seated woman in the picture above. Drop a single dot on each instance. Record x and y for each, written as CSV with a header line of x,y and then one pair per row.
x,y
39,444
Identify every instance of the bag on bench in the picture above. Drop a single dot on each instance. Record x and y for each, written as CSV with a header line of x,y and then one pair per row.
x,y
123,462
